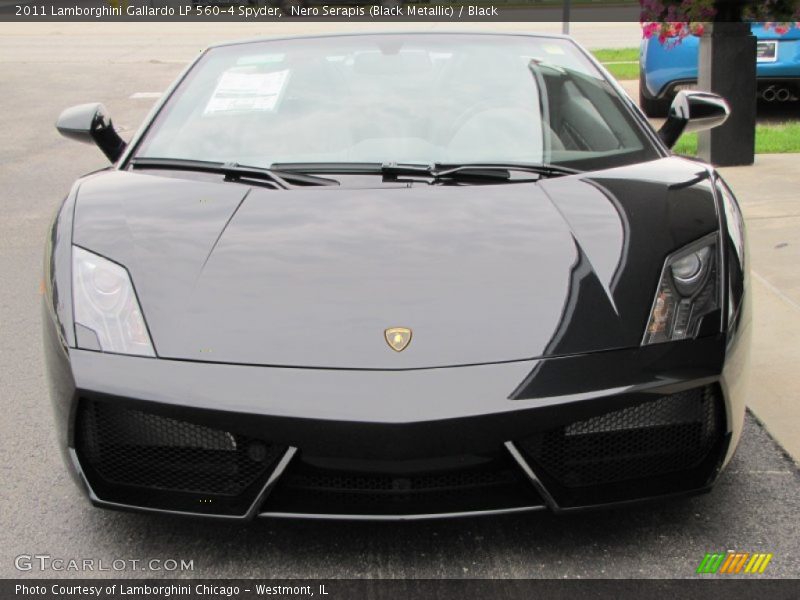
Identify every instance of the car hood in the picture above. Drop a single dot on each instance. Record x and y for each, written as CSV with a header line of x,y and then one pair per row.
x,y
313,277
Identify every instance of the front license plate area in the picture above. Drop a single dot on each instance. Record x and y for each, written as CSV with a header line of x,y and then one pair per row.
x,y
767,51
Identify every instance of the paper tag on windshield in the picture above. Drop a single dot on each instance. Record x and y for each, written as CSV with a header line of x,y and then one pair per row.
x,y
247,91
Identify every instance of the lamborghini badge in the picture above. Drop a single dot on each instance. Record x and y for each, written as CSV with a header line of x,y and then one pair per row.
x,y
398,338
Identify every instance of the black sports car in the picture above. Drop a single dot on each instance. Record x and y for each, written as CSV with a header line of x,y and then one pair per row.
x,y
396,276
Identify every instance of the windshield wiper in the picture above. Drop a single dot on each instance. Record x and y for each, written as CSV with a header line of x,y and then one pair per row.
x,y
488,171
234,171
432,172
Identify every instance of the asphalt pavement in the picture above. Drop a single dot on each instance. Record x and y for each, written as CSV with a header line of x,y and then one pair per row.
x,y
44,68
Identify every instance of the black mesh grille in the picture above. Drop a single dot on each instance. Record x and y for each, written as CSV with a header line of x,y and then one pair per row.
x,y
413,484
668,435
494,484
128,447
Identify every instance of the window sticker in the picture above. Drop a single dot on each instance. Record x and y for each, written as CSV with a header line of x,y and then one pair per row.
x,y
244,91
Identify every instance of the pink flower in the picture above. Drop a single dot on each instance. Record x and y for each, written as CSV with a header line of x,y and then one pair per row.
x,y
672,20
650,30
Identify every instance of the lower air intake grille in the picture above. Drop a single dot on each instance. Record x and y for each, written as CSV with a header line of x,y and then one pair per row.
x,y
670,437
486,483
139,455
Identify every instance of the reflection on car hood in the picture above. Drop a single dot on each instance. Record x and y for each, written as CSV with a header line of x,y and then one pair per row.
x,y
312,277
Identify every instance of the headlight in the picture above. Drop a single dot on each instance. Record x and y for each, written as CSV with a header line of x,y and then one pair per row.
x,y
688,290
105,302
688,272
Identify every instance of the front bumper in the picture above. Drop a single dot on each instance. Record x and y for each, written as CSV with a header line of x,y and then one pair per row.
x,y
397,444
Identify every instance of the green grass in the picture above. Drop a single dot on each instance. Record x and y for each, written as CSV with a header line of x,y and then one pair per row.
x,y
686,145
622,63
770,139
624,71
617,54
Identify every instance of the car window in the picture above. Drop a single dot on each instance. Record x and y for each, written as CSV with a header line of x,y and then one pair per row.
x,y
423,98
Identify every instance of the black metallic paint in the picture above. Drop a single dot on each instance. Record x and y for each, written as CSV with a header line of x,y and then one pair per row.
x,y
267,307
311,277
575,352
613,240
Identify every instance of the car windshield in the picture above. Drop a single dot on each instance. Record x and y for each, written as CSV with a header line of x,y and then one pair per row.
x,y
398,98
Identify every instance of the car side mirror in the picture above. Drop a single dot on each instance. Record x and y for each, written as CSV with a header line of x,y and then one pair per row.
x,y
693,111
90,123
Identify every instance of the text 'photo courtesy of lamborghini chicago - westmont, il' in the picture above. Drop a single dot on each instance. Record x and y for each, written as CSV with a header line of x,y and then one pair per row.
x,y
396,276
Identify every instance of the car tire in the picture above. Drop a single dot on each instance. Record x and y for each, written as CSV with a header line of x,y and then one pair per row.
x,y
652,107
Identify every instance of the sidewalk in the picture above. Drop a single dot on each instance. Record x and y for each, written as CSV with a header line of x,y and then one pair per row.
x,y
769,193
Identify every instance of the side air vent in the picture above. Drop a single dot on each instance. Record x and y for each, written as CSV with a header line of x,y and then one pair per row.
x,y
134,456
667,443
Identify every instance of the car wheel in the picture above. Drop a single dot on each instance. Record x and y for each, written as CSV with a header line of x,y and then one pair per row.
x,y
652,107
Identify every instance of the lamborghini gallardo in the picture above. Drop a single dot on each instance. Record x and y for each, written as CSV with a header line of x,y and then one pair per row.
x,y
396,276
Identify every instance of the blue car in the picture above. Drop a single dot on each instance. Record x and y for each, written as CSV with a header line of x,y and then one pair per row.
x,y
664,70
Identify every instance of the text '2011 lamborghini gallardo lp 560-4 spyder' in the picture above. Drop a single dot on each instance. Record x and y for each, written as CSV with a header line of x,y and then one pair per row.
x,y
396,276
